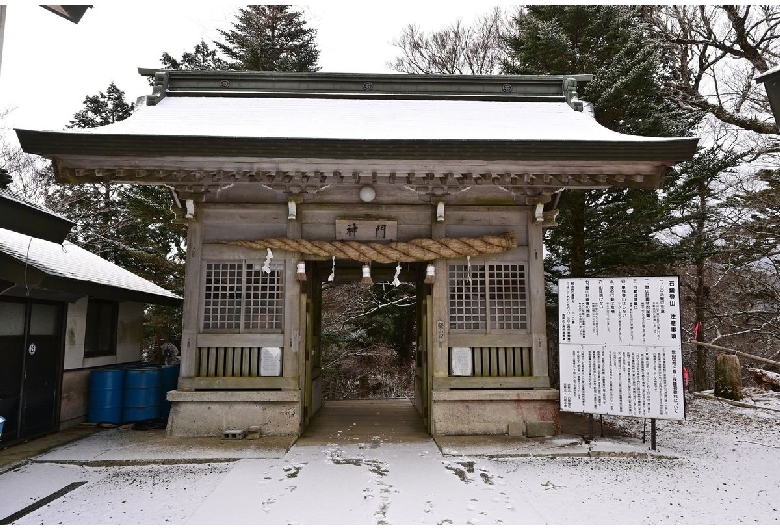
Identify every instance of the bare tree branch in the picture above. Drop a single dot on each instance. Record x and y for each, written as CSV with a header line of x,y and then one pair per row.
x,y
716,52
454,49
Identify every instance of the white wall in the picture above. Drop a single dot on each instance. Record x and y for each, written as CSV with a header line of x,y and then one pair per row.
x,y
129,335
74,334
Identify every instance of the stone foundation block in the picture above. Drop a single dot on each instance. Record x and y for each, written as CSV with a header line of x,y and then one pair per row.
x,y
516,429
539,429
196,414
465,412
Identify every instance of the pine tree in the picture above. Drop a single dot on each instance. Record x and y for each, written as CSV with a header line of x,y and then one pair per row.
x,y
270,38
700,223
610,232
103,109
602,232
129,225
201,58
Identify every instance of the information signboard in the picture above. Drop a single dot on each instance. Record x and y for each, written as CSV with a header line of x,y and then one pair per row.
x,y
620,346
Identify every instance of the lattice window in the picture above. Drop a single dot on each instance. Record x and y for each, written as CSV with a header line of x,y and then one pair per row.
x,y
239,297
222,300
488,296
264,297
468,300
507,294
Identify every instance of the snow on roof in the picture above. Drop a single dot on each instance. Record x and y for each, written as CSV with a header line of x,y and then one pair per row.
x,y
363,119
768,73
74,263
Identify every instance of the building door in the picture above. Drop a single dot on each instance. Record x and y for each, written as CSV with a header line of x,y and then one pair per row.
x,y
30,362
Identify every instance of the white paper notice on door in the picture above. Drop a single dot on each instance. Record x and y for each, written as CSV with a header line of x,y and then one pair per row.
x,y
271,362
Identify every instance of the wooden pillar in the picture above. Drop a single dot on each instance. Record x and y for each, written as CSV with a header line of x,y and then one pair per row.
x,y
192,293
439,367
437,334
294,319
536,297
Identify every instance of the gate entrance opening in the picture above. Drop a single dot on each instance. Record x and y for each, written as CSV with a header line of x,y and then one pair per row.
x,y
365,342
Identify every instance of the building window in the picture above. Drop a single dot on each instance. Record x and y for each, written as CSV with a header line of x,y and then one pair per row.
x,y
488,297
100,337
240,298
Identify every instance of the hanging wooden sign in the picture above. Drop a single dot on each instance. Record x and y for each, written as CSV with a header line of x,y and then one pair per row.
x,y
366,229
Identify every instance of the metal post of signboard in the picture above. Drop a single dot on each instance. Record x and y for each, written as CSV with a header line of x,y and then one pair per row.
x,y
590,427
652,434
601,419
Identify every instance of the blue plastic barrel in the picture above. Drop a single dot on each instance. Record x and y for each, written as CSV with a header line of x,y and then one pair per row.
x,y
142,394
106,390
170,379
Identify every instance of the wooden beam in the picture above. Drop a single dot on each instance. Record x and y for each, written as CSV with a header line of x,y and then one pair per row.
x,y
735,352
489,383
240,383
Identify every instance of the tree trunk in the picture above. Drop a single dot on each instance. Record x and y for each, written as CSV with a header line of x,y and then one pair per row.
x,y
728,378
700,381
766,379
576,200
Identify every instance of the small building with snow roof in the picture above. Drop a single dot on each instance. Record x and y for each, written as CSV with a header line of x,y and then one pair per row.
x,y
63,312
287,180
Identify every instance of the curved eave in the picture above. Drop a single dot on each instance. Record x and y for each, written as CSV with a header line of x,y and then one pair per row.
x,y
60,144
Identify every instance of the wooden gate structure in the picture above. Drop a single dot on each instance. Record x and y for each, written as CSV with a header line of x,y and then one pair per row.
x,y
281,176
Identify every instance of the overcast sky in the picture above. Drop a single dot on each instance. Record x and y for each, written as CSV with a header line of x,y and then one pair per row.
x,y
50,65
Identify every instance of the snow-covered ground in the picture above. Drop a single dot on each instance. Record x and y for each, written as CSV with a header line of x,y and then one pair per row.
x,y
719,466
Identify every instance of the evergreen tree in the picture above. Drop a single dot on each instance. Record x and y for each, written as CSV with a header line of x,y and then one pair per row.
x,y
627,96
270,38
201,58
609,232
103,109
700,223
129,225
263,38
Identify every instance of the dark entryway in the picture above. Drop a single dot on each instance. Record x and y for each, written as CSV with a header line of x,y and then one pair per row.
x,y
31,349
366,342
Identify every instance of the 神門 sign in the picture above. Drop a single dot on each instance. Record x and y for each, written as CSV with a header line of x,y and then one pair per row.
x,y
366,229
620,347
